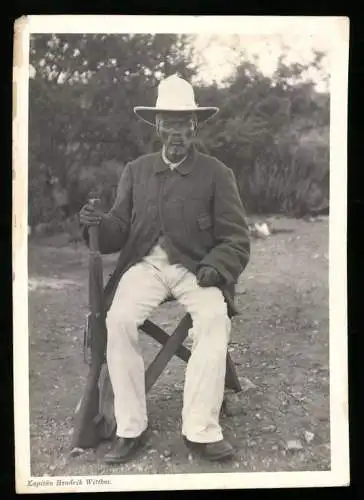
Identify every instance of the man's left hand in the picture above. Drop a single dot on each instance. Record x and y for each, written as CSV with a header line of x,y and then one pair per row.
x,y
208,276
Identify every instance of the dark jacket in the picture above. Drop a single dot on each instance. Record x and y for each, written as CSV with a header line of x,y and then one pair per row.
x,y
196,207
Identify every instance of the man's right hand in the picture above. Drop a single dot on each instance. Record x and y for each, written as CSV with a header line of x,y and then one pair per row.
x,y
90,216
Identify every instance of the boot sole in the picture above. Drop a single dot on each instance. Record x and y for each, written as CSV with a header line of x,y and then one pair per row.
x,y
213,458
122,460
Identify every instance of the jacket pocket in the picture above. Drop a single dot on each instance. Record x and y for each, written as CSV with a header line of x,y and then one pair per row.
x,y
204,222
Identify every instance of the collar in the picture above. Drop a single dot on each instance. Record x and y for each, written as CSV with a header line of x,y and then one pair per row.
x,y
184,168
169,163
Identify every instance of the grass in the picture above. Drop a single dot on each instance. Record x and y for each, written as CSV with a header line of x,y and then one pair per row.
x,y
279,342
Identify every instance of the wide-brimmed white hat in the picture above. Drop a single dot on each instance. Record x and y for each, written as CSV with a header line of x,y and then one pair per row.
x,y
175,95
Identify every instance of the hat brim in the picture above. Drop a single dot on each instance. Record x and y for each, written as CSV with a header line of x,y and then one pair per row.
x,y
148,114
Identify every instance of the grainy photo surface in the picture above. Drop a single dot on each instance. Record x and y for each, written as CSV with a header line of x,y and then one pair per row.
x,y
175,234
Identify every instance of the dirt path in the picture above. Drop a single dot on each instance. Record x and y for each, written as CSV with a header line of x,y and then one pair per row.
x,y
279,342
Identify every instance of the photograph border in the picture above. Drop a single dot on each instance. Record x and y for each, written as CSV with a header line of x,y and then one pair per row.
x,y
338,31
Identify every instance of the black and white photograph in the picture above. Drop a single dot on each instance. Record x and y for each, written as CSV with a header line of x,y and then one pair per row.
x,y
179,252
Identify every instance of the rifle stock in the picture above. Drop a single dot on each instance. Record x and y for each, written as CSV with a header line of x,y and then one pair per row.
x,y
86,432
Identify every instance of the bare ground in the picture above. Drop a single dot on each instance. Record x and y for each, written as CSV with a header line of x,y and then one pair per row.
x,y
279,343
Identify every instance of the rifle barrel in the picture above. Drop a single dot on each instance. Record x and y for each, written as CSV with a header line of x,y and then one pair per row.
x,y
94,230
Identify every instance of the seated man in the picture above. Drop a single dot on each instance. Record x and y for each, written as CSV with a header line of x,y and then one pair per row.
x,y
180,226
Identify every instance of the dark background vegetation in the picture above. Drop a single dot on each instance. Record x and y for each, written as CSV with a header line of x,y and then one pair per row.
x,y
272,131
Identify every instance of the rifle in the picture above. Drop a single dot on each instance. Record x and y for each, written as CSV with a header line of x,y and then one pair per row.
x,y
88,419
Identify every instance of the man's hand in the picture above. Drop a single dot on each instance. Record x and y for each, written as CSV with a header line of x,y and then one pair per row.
x,y
208,276
90,215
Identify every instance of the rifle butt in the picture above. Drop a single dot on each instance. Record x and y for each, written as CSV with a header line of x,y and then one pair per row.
x,y
85,432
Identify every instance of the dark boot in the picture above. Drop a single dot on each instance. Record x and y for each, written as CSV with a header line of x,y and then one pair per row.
x,y
124,449
219,450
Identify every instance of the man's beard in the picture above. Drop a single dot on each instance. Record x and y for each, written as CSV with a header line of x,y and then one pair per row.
x,y
175,149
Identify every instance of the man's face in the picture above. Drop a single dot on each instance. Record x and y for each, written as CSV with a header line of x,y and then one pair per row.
x,y
176,133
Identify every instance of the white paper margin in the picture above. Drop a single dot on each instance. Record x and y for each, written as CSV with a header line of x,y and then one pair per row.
x,y
337,29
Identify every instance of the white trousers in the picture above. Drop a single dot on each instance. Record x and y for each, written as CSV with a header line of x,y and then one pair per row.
x,y
141,289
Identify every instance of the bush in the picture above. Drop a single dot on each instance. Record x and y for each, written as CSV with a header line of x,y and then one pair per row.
x,y
40,202
80,182
294,183
101,180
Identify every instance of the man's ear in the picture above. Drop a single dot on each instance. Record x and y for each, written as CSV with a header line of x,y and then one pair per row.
x,y
157,124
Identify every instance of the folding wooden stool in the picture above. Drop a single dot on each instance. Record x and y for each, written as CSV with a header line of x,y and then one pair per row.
x,y
173,345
